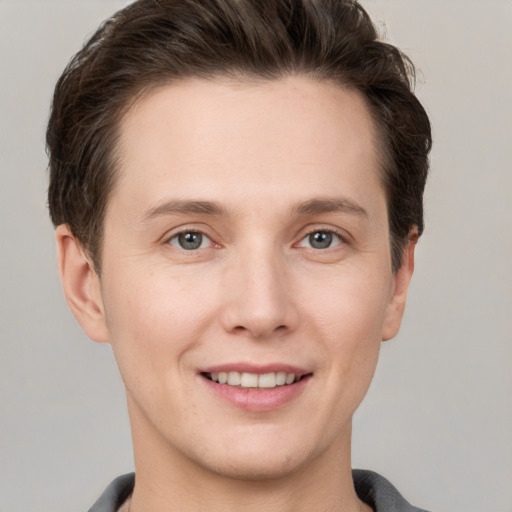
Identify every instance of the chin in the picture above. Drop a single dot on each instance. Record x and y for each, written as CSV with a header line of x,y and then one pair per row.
x,y
261,458
258,468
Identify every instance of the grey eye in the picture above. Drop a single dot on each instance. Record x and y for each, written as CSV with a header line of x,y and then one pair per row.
x,y
189,240
320,239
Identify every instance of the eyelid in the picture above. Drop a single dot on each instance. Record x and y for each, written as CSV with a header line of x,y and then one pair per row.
x,y
205,239
175,232
342,235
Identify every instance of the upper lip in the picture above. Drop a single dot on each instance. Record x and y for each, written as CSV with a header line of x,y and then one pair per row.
x,y
256,368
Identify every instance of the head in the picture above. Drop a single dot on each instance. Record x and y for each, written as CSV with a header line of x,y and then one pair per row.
x,y
238,189
151,43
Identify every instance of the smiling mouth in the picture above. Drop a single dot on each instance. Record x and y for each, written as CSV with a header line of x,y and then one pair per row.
x,y
254,380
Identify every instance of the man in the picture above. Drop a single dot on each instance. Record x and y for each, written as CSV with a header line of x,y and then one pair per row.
x,y
237,190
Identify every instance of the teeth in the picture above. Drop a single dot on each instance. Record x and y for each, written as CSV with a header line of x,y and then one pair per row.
x,y
267,380
249,380
234,379
290,378
253,380
281,378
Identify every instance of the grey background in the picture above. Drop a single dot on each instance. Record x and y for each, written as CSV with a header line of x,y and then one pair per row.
x,y
438,418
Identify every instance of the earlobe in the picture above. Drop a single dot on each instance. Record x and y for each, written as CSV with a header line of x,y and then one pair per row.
x,y
81,285
401,280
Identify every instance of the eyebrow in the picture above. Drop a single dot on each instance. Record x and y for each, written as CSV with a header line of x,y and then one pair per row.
x,y
177,206
329,205
311,207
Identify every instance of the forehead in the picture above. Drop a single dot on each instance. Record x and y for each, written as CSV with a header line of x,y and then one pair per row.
x,y
287,138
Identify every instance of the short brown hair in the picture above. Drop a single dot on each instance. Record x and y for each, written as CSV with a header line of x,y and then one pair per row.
x,y
152,42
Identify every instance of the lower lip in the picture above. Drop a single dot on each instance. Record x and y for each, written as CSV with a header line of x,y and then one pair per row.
x,y
257,399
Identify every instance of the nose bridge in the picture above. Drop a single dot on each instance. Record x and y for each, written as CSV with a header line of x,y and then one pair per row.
x,y
260,303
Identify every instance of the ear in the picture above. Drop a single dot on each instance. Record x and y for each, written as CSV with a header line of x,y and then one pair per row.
x,y
81,285
401,280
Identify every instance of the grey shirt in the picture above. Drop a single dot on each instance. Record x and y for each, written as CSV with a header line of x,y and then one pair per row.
x,y
371,488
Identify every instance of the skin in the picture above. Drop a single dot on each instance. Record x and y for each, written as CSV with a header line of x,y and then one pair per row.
x,y
274,157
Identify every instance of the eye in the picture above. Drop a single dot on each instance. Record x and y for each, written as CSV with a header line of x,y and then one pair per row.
x,y
190,240
321,239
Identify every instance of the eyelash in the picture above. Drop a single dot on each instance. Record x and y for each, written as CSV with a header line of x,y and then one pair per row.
x,y
331,232
342,239
183,232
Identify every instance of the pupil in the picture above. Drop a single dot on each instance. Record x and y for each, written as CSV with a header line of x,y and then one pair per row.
x,y
320,239
190,241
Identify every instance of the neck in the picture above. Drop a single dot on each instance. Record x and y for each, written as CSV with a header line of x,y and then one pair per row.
x,y
168,480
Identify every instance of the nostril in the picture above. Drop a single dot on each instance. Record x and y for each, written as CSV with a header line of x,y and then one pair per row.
x,y
259,333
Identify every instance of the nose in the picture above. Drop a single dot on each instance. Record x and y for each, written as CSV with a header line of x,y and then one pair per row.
x,y
259,297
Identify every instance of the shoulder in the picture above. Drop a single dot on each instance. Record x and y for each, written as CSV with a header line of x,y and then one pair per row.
x,y
115,494
379,493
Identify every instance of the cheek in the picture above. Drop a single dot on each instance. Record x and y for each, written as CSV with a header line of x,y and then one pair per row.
x,y
155,320
354,348
349,316
349,306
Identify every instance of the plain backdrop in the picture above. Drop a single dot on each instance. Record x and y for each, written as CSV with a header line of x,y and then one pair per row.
x,y
438,418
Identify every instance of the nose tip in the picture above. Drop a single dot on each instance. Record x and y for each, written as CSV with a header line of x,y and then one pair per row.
x,y
260,305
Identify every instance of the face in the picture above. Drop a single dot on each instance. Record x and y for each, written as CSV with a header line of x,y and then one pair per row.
x,y
246,276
